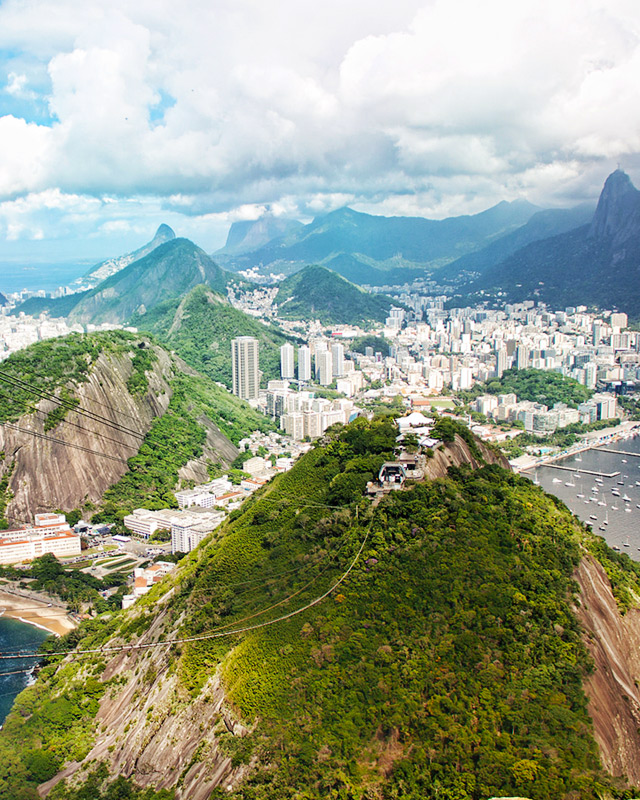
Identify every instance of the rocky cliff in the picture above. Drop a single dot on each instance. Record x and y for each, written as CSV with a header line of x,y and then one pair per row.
x,y
74,462
614,697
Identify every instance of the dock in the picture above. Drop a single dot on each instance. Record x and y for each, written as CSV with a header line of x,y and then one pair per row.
x,y
618,452
575,469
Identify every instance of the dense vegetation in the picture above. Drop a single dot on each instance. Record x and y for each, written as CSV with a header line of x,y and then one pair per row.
x,y
175,439
318,293
535,385
447,665
200,327
170,271
378,343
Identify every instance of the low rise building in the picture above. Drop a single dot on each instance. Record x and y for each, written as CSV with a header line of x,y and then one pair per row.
x,y
50,534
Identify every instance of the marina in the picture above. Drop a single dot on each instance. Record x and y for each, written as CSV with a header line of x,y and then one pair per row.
x,y
603,491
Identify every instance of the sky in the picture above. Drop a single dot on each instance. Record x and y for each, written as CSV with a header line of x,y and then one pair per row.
x,y
118,116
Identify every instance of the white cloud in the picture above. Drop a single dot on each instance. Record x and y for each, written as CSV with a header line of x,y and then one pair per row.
x,y
228,107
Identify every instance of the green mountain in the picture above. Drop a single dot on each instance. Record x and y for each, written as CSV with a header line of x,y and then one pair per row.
x,y
200,327
543,225
383,243
109,267
169,271
318,293
429,646
596,264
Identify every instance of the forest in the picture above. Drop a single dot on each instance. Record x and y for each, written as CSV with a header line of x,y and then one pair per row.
x,y
447,664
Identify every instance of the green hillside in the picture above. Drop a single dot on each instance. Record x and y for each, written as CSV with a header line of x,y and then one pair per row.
x,y
200,328
447,664
169,271
534,385
318,293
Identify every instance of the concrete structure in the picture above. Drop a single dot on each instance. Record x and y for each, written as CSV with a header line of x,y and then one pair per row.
x,y
304,364
144,580
324,367
50,534
287,370
245,372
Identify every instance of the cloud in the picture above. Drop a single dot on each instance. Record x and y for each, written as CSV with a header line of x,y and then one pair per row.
x,y
224,108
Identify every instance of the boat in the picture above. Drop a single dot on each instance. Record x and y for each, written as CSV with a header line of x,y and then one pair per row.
x,y
557,480
626,544
601,503
580,496
578,458
592,516
601,528
624,460
620,483
569,483
628,510
614,508
626,498
615,492
615,547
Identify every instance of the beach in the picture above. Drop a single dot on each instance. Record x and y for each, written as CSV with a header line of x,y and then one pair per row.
x,y
36,612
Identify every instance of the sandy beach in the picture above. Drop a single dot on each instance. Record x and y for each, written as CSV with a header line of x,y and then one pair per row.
x,y
39,613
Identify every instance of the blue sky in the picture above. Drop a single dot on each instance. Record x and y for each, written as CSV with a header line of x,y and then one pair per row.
x,y
117,116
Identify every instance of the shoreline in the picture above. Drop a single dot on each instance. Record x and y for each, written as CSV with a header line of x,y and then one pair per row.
x,y
37,613
605,436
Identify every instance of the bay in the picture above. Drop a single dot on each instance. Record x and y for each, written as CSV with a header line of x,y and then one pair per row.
x,y
603,504
16,636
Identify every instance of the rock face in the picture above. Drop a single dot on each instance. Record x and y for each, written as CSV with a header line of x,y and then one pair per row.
x,y
458,453
153,731
81,457
87,456
612,689
617,216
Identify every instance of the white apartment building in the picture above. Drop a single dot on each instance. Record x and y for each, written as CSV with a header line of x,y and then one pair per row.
x,y
287,370
304,364
245,372
50,534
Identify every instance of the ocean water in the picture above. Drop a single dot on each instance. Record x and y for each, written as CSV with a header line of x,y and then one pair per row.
x,y
615,519
16,276
16,636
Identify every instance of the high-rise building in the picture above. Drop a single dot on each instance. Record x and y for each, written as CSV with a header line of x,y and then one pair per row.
x,y
324,367
286,362
337,354
245,373
304,363
522,357
501,361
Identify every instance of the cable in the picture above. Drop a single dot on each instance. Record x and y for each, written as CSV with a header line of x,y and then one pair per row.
x,y
25,387
66,444
202,637
35,410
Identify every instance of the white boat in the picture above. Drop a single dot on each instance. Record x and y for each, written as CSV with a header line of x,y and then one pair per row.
x,y
626,498
592,516
624,460
628,510
578,458
615,492
601,503
557,480
614,508
615,547
570,483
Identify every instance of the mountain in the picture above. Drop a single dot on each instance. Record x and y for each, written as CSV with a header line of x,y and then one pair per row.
x,y
439,643
131,413
169,271
107,268
318,293
596,264
200,326
542,225
381,242
247,235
